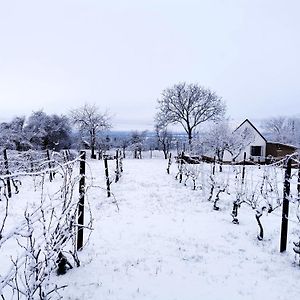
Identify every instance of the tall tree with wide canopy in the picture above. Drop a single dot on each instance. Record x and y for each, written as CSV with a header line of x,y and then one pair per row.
x,y
189,105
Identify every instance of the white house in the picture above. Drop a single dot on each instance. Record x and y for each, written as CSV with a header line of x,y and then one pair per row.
x,y
255,148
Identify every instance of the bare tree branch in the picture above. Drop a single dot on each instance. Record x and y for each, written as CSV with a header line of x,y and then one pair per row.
x,y
189,105
90,122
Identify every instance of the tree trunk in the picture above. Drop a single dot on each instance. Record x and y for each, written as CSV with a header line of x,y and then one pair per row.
x,y
166,154
190,137
165,151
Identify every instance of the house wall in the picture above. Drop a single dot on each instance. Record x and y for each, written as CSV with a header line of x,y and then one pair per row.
x,y
227,156
258,141
279,150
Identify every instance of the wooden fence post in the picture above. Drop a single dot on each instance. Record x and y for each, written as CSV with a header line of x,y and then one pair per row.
x,y
180,167
121,161
7,173
81,201
243,171
49,165
212,179
117,166
107,177
285,205
169,163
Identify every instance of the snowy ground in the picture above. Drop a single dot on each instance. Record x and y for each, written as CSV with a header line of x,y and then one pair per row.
x,y
167,243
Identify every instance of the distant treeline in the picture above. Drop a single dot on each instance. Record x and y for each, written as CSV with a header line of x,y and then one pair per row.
x,y
42,131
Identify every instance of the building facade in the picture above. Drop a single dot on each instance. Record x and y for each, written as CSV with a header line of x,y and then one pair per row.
x,y
257,148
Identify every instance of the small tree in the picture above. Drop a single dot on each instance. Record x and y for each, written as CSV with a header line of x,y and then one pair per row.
x,y
90,121
137,141
124,143
189,105
218,139
164,139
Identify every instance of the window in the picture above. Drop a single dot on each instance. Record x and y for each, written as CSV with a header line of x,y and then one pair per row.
x,y
256,150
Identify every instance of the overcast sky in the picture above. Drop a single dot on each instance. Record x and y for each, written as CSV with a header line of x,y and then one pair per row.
x,y
56,55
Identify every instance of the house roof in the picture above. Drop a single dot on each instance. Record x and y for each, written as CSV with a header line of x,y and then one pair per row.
x,y
253,128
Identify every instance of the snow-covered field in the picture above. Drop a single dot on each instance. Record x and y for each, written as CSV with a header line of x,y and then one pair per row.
x,y
166,242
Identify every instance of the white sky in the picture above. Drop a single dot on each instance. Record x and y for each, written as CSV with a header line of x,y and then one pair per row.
x,y
56,55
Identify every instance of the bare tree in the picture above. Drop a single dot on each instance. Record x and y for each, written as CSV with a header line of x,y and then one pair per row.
x,y
164,139
90,121
124,143
189,105
137,142
283,129
218,138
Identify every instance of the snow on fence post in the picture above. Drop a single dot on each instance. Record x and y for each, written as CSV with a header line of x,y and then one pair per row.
x,y
285,205
117,167
7,172
49,165
121,161
169,163
81,201
180,167
213,169
107,177
243,171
